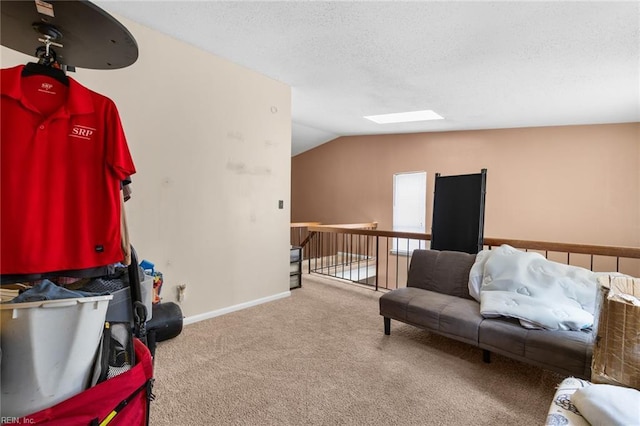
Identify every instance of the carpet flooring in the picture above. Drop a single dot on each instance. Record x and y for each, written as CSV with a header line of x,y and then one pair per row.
x,y
320,357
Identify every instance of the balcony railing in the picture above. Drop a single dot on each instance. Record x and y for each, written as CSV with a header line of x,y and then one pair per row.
x,y
363,254
300,235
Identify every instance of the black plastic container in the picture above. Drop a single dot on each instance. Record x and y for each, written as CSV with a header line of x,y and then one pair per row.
x,y
165,324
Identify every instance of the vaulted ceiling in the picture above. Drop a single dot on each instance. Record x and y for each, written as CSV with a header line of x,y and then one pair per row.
x,y
478,64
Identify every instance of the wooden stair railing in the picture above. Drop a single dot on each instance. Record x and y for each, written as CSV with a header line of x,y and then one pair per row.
x,y
370,230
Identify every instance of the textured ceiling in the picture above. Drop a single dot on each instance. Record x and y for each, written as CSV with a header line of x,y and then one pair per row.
x,y
478,64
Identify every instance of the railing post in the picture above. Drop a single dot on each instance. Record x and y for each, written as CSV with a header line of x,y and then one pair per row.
x,y
377,261
397,260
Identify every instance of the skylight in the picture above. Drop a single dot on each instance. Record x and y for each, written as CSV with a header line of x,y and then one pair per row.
x,y
404,117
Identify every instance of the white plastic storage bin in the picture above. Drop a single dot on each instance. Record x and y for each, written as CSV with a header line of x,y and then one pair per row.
x,y
120,307
48,351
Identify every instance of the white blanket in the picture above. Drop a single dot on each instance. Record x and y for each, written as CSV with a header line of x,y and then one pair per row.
x,y
539,292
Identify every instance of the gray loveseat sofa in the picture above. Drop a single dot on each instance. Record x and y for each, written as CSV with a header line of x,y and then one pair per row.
x,y
437,299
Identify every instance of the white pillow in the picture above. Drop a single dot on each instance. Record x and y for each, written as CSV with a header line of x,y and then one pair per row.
x,y
608,405
477,273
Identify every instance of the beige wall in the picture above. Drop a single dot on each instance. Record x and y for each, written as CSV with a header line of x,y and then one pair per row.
x,y
577,184
213,159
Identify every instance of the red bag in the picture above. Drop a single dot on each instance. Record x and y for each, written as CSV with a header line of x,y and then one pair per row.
x,y
122,400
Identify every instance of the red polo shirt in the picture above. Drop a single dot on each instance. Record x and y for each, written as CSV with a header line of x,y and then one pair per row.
x,y
63,154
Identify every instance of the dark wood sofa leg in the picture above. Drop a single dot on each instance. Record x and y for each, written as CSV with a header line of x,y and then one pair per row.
x,y
486,356
387,326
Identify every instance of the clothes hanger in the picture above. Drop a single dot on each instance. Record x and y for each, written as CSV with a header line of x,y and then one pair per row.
x,y
33,68
47,65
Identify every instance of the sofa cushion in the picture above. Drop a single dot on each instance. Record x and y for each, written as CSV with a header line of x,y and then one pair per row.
x,y
445,272
505,333
567,352
570,350
448,315
394,303
425,308
461,318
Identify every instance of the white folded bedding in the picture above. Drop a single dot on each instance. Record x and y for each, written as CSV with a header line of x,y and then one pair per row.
x,y
539,292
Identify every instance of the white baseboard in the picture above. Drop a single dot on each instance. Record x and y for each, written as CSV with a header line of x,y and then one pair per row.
x,y
212,314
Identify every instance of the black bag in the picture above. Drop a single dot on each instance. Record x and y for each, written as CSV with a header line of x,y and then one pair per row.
x,y
116,353
165,323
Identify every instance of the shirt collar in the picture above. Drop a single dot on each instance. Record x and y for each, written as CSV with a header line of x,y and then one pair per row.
x,y
79,98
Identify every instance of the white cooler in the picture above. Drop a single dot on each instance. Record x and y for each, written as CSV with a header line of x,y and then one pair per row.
x,y
48,351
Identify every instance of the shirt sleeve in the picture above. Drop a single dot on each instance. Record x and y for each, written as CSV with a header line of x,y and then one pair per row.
x,y
118,155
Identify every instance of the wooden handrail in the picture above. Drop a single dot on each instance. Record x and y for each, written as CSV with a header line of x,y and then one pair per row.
x,y
337,250
597,250
356,227
373,225
304,224
590,249
371,232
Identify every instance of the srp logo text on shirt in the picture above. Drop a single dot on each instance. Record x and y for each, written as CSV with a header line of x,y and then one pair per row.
x,y
47,88
82,132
